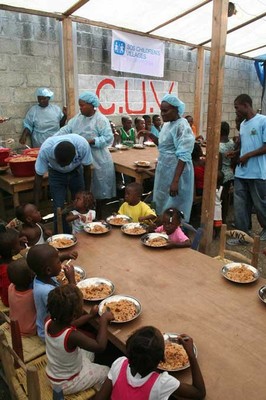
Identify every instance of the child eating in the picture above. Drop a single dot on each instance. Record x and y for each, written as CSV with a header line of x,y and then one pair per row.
x,y
83,212
20,296
127,133
70,363
31,228
135,376
133,207
171,221
45,261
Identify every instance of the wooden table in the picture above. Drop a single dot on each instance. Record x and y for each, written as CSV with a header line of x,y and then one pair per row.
x,y
124,161
183,291
14,185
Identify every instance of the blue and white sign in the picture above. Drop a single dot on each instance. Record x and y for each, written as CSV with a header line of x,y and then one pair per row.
x,y
137,54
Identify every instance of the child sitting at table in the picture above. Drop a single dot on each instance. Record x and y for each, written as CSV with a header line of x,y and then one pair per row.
x,y
135,376
45,262
171,220
84,211
127,132
31,227
133,207
9,246
70,361
20,296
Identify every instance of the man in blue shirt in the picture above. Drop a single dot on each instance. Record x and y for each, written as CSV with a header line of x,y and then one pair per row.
x,y
67,159
250,173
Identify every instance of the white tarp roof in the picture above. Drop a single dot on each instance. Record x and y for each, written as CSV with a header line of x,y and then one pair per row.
x,y
188,21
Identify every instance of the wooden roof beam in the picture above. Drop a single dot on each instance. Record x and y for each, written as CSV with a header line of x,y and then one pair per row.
x,y
75,7
31,11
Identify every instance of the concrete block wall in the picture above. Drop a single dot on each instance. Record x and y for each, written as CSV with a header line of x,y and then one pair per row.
x,y
94,54
29,58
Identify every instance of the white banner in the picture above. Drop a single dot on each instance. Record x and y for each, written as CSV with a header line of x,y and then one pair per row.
x,y
137,54
120,96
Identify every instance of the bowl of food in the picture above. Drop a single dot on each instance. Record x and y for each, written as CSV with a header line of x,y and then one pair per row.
x,y
134,229
97,228
142,164
118,220
176,358
96,289
32,152
22,165
121,147
62,241
149,144
155,240
124,308
80,274
4,153
240,272
139,146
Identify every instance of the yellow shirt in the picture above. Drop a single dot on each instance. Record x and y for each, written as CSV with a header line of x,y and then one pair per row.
x,y
140,210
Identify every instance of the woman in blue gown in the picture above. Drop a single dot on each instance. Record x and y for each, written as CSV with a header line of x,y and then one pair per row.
x,y
96,129
174,176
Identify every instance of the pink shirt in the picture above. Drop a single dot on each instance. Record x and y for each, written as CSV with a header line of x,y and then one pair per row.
x,y
22,309
123,390
177,236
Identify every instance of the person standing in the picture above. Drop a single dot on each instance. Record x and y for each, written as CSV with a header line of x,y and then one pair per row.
x,y
174,175
43,119
96,129
250,173
67,159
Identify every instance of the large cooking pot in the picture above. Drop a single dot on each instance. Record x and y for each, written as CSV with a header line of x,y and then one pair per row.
x,y
21,165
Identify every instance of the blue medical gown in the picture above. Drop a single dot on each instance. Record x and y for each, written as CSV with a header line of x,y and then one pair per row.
x,y
176,143
98,128
42,122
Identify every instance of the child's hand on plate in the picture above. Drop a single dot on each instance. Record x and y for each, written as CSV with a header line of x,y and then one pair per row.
x,y
187,342
94,311
72,254
70,273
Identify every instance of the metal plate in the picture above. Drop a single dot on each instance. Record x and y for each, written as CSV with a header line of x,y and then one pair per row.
x,y
78,271
226,268
121,147
149,236
173,337
96,282
139,146
142,164
97,228
62,236
149,144
117,298
262,293
119,217
134,229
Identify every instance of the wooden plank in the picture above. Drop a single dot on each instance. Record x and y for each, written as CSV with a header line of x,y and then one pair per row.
x,y
75,7
215,100
69,67
198,88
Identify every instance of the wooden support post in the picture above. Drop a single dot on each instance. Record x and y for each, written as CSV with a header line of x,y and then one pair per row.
x,y
198,88
219,27
69,67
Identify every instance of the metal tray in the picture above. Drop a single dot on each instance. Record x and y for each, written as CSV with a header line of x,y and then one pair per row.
x,y
173,337
128,229
95,281
110,220
62,236
232,265
117,298
89,228
145,239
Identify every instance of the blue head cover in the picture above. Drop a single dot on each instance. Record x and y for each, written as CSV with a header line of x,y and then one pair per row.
x,y
175,102
90,98
44,92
